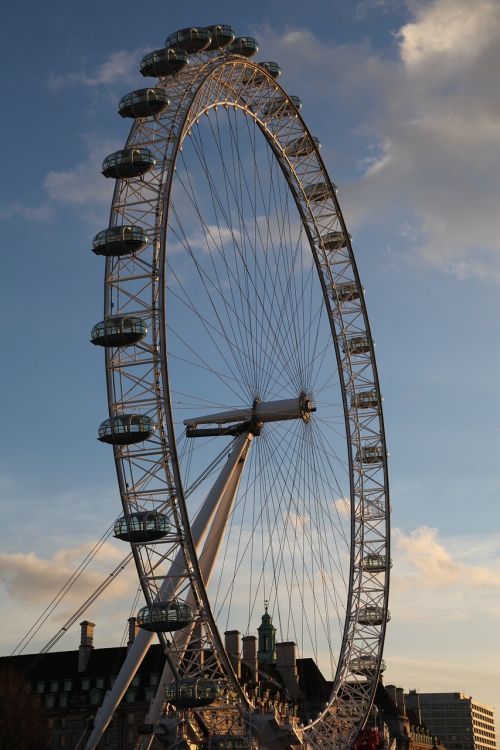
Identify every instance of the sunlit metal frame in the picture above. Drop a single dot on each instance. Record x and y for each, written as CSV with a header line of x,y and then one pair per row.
x,y
137,377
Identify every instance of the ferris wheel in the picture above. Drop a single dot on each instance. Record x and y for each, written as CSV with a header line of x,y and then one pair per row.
x,y
245,412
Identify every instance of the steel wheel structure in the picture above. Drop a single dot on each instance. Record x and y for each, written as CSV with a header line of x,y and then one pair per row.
x,y
244,405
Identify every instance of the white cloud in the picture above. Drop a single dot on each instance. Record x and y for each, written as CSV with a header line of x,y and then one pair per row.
x,y
82,187
430,118
83,184
449,31
445,613
428,564
29,583
43,212
120,67
28,577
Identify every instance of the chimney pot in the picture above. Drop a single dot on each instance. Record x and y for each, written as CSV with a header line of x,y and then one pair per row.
x,y
250,656
86,644
232,643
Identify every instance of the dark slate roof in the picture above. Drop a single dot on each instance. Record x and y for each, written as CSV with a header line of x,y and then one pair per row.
x,y
60,665
384,702
311,680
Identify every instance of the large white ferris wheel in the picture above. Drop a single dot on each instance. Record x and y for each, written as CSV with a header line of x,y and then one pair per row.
x,y
244,406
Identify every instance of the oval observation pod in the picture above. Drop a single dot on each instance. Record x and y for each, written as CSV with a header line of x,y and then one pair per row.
x,y
192,693
164,62
334,240
283,107
141,527
190,40
243,45
365,665
303,146
165,617
221,35
318,192
229,742
375,562
118,331
126,429
348,292
365,400
143,103
372,616
128,162
272,68
374,511
370,454
357,345
121,240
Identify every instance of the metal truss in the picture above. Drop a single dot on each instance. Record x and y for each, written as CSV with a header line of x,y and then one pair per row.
x,y
138,381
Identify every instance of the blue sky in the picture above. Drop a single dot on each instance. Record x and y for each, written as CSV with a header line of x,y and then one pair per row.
x,y
405,99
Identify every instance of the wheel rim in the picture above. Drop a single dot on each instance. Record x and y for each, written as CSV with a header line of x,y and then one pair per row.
x,y
151,280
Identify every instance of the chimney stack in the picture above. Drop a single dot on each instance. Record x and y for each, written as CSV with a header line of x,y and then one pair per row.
x,y
400,701
286,664
250,656
86,644
232,643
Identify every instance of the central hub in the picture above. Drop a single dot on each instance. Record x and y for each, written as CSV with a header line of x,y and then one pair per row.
x,y
236,421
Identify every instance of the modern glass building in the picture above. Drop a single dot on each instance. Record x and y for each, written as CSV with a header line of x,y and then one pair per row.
x,y
457,719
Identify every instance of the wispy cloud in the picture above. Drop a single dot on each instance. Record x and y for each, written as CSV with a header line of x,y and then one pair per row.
x,y
445,613
41,212
30,577
82,187
29,582
427,564
429,114
120,67
83,184
449,31
366,7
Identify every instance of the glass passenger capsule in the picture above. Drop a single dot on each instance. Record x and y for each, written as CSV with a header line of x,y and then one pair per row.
x,y
165,617
243,45
272,68
302,146
126,429
229,742
372,616
283,107
192,693
347,292
365,400
334,240
142,526
190,40
143,103
164,62
374,511
375,562
119,331
370,454
221,36
357,345
121,240
365,665
128,162
318,192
